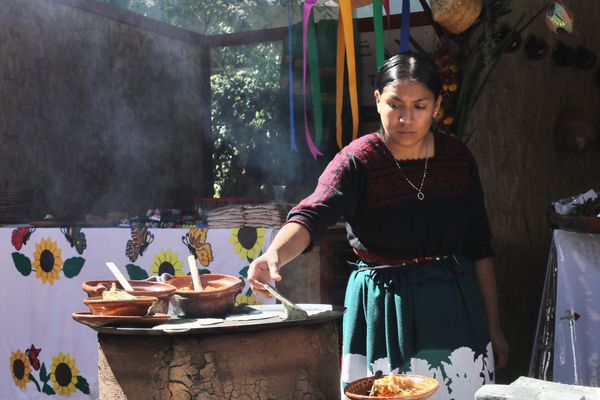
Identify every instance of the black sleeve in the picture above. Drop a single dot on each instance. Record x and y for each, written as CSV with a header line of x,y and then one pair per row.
x,y
336,195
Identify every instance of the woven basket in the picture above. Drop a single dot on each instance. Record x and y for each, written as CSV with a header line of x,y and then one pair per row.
x,y
358,3
455,15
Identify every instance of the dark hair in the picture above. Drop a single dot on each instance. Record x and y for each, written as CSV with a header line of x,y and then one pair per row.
x,y
410,67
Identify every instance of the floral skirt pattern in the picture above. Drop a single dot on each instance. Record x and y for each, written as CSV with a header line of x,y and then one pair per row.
x,y
426,319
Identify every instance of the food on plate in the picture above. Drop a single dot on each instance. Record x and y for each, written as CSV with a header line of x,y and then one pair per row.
x,y
114,294
395,385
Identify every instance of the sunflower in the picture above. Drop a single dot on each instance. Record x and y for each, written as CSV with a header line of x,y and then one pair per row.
x,y
20,368
63,374
248,242
47,260
167,261
245,299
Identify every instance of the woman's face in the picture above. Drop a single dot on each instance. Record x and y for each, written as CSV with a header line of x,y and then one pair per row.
x,y
406,110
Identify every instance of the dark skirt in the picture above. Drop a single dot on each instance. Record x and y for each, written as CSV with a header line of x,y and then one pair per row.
x,y
427,319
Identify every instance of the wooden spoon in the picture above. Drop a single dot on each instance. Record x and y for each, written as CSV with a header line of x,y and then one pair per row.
x,y
113,268
195,276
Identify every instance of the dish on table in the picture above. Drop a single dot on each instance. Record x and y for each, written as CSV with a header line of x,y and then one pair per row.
x,y
217,300
412,387
97,321
134,306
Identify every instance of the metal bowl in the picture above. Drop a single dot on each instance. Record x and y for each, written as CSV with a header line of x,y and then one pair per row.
x,y
216,300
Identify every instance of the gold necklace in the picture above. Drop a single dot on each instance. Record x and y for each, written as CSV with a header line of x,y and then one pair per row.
x,y
419,189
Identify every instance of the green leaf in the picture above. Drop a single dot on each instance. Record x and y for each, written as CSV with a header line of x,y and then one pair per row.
x,y
204,271
135,272
48,389
32,379
244,271
82,384
72,266
22,263
43,374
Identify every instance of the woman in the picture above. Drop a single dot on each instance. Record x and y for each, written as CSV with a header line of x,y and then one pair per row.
x,y
423,296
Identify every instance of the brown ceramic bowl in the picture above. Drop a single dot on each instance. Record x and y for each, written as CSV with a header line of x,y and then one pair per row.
x,y
137,306
574,223
216,300
162,291
359,389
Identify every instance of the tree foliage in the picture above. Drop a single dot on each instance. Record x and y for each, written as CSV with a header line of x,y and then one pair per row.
x,y
246,109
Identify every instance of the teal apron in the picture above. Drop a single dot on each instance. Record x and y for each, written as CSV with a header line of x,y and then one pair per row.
x,y
427,319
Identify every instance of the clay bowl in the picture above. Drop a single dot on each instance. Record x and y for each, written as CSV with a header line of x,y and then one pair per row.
x,y
161,291
216,300
360,389
574,223
137,306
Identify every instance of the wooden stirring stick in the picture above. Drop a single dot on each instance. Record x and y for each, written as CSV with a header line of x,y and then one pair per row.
x,y
113,268
195,277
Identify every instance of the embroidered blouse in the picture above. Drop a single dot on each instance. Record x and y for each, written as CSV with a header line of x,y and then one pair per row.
x,y
384,218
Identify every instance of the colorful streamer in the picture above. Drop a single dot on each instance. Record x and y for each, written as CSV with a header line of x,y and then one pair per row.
x,y
291,77
378,28
308,5
345,47
315,81
386,5
405,31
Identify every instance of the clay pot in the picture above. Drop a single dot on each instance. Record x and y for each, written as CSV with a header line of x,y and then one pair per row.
x,y
584,58
563,55
515,42
535,48
578,128
161,291
216,300
137,306
359,389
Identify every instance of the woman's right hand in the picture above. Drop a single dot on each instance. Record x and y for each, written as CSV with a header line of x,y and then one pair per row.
x,y
263,270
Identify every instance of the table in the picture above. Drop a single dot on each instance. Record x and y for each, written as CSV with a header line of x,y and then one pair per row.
x,y
43,351
567,343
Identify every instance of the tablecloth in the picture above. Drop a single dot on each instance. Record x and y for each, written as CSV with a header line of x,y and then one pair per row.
x,y
43,351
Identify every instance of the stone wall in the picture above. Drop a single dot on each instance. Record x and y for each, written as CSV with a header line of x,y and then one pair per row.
x,y
100,114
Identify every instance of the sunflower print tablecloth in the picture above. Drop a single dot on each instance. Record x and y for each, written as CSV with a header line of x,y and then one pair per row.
x,y
43,352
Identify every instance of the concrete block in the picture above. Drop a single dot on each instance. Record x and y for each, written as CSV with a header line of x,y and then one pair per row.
x,y
526,388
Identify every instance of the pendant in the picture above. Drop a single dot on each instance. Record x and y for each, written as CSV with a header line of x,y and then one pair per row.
x,y
420,195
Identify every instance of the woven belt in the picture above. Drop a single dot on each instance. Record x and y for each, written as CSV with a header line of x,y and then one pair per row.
x,y
388,262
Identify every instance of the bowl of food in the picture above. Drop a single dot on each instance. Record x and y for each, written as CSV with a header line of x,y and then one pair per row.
x,y
393,387
161,291
216,298
118,302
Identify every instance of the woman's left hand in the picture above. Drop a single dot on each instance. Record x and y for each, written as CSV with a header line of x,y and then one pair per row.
x,y
501,349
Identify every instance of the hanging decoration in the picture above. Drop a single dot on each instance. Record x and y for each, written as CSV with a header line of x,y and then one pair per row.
x,y
405,30
559,19
291,77
378,30
315,84
308,5
455,15
345,50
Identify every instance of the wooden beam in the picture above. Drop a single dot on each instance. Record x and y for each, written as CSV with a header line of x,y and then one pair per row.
x,y
136,20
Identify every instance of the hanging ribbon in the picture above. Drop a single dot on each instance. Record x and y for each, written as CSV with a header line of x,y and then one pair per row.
x,y
405,31
386,5
291,77
345,45
315,81
308,5
378,28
